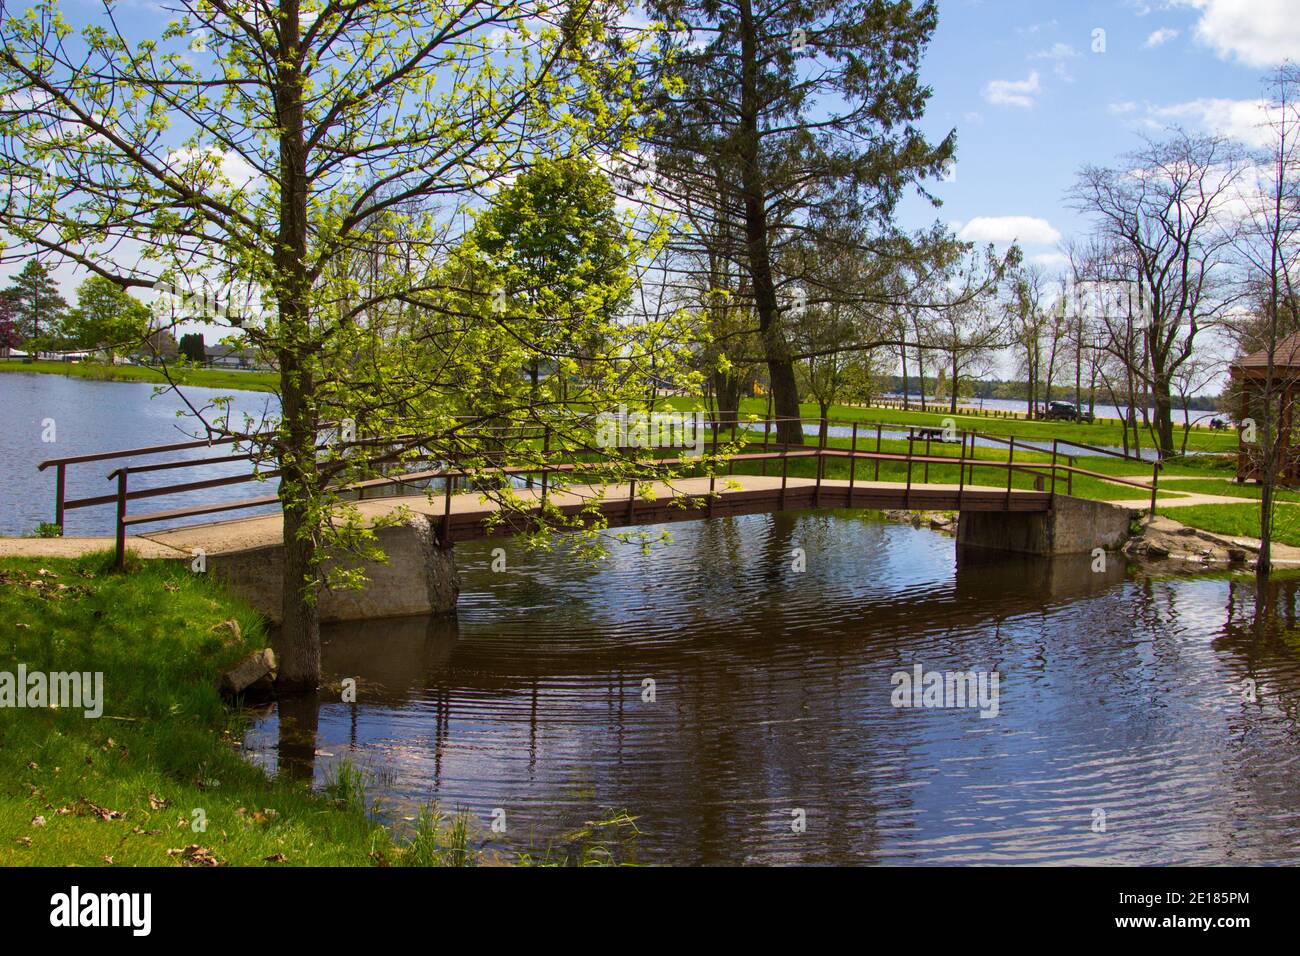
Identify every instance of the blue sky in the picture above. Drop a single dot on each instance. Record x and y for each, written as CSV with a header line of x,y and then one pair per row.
x,y
1032,102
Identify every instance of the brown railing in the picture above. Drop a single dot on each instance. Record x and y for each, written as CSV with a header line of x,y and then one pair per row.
x,y
923,436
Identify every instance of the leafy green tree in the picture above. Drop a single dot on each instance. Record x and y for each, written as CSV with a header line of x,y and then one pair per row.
x,y
106,317
323,154
39,307
10,335
193,347
805,112
552,247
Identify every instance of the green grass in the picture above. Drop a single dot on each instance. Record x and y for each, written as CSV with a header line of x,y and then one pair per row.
x,y
1102,432
125,787
992,473
122,789
199,377
1240,520
1230,488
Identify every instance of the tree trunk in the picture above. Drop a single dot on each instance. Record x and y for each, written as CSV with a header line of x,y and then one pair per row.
x,y
726,388
952,403
1164,419
780,367
297,645
907,402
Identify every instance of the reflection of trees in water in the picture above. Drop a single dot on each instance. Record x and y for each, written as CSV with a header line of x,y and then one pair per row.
x,y
1263,639
768,706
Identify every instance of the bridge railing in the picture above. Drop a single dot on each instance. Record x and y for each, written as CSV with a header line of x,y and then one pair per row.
x,y
919,455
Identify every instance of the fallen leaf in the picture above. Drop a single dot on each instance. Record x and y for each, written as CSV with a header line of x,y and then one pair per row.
x,y
24,841
274,858
38,821
157,803
108,860
195,855
85,808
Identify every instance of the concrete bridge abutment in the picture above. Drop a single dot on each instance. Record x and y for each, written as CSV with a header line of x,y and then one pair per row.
x,y
419,577
1071,526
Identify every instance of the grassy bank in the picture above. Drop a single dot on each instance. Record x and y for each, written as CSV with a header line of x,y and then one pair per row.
x,y
123,788
1102,432
1084,486
199,377
1240,520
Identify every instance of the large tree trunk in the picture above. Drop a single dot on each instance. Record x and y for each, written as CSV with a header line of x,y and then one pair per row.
x,y
952,403
1164,417
780,367
298,643
907,402
726,388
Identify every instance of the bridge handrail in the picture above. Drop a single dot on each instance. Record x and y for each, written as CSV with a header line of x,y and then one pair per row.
x,y
450,475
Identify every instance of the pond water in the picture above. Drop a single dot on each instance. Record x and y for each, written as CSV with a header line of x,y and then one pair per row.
x,y
720,697
1123,732
89,417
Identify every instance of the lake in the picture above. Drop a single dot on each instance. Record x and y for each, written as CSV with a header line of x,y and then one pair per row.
x,y
90,417
741,710
1120,705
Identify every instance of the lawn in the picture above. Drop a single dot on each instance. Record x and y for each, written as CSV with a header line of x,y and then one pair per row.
x,y
127,788
1247,489
1103,432
1240,520
199,377
1083,486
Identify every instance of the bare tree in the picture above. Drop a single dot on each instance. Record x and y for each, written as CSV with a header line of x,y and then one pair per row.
x,y
1164,207
1269,245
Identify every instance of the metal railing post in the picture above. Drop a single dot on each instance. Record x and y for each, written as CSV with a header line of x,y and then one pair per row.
x,y
907,490
59,478
961,471
444,538
878,428
119,560
785,473
853,461
1155,483
546,452
631,501
767,431
821,464
1054,471
1011,456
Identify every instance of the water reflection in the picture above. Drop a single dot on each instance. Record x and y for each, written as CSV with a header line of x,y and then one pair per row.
x,y
772,693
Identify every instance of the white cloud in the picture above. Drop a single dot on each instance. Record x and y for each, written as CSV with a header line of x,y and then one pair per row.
x,y
1019,93
1257,33
1242,120
1024,229
1160,37
1060,54
1057,51
1050,260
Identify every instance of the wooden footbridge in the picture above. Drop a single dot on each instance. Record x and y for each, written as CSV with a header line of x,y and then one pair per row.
x,y
755,480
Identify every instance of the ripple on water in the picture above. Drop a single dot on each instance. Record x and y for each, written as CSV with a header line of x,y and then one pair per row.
x,y
773,692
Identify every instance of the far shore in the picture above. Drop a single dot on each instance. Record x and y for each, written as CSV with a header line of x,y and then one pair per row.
x,y
183,375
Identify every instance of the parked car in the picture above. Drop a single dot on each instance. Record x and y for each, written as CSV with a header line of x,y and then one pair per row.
x,y
1065,412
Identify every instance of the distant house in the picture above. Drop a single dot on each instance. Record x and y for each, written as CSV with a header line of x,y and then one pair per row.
x,y
226,356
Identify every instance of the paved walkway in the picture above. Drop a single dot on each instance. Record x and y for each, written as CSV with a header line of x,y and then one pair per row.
x,y
242,534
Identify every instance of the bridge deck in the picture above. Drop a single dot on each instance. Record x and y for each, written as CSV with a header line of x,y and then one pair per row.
x,y
738,495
